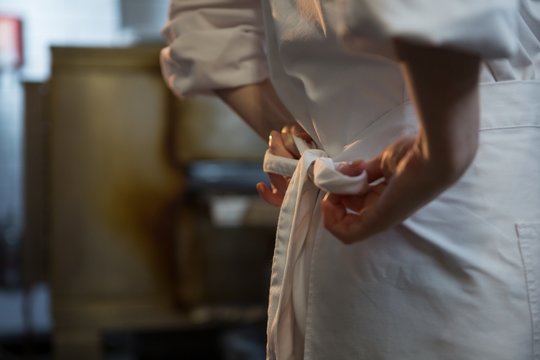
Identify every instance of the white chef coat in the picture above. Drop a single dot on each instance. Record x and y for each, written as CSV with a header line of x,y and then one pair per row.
x,y
459,279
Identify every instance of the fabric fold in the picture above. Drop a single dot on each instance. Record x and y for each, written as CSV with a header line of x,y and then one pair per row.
x,y
451,24
314,171
233,36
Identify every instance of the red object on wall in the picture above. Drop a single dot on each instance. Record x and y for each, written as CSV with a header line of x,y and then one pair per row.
x,y
11,44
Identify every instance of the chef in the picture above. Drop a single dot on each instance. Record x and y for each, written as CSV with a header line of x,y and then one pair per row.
x,y
410,204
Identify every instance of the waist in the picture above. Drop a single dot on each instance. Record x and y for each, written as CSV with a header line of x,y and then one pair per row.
x,y
502,105
509,104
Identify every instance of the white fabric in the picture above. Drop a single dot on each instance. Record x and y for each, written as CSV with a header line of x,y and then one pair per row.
x,y
443,23
213,44
324,173
459,279
313,168
417,289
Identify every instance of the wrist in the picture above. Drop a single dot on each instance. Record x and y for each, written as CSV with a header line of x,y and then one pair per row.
x,y
446,161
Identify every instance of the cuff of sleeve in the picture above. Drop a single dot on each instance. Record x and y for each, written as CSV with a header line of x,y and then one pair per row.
x,y
191,73
188,79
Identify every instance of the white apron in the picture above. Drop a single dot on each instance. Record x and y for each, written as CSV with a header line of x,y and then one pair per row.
x,y
458,280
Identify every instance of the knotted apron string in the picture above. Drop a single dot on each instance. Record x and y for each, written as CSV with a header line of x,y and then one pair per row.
x,y
314,171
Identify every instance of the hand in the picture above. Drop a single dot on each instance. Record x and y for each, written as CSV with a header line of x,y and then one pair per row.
x,y
406,179
443,84
281,144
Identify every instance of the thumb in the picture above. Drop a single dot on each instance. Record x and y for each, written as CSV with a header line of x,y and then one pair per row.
x,y
351,168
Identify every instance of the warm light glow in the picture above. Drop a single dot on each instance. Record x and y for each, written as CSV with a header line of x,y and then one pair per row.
x,y
311,10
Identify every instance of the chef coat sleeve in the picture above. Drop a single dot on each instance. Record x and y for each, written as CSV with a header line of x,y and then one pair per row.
x,y
213,44
484,27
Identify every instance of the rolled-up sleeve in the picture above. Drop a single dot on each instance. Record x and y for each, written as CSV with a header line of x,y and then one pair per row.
x,y
213,44
484,27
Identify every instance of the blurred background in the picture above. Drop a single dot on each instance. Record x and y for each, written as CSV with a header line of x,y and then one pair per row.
x,y
129,223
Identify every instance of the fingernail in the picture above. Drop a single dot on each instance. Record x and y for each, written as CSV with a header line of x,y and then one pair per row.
x,y
340,165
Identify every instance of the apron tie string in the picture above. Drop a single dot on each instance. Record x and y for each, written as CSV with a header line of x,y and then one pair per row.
x,y
314,171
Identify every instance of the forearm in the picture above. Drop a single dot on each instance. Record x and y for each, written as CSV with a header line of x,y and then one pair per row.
x,y
444,86
259,106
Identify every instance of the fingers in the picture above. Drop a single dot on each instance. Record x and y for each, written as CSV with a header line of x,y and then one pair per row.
x,y
374,211
386,163
287,137
277,146
350,227
374,169
354,226
271,196
280,144
301,133
333,210
344,226
393,154
280,183
351,169
365,218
